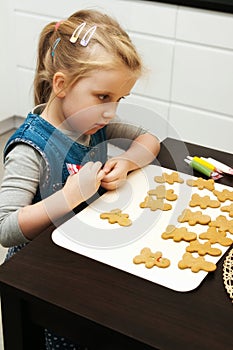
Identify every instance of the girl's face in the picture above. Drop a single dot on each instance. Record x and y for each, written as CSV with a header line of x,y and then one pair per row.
x,y
91,103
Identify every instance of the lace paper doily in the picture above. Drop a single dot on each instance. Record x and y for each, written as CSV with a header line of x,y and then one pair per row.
x,y
228,274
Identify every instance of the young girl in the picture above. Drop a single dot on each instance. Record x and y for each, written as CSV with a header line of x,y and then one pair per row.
x,y
58,158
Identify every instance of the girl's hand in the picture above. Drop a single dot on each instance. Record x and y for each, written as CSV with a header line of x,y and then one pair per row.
x,y
84,184
141,152
116,171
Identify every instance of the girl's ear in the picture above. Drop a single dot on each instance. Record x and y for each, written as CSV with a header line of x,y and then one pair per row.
x,y
59,84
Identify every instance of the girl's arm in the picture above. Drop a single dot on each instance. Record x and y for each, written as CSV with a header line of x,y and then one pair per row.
x,y
18,188
35,218
21,221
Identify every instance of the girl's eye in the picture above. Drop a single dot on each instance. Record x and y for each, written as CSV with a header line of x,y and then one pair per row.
x,y
107,98
103,97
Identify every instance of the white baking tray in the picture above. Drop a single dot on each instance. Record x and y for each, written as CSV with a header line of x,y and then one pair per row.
x,y
87,234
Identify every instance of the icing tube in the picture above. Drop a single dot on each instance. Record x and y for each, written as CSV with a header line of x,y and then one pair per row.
x,y
205,163
223,167
202,169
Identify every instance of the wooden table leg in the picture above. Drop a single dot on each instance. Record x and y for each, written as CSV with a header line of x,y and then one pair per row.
x,y
12,324
18,332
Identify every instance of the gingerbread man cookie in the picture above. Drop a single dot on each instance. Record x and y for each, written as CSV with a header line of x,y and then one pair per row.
x,y
223,224
228,209
151,259
215,236
223,195
203,202
178,234
203,248
160,192
169,178
155,204
196,264
194,218
201,183
116,216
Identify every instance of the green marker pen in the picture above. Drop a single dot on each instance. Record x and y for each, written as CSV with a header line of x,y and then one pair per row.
x,y
202,169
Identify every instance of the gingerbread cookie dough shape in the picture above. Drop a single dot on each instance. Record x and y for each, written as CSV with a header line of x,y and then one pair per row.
x,y
228,209
178,234
203,248
201,183
155,204
215,236
151,259
169,178
223,195
196,264
222,224
116,216
203,202
161,193
194,218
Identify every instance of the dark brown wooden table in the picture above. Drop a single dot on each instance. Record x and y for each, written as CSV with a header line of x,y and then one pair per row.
x,y
47,286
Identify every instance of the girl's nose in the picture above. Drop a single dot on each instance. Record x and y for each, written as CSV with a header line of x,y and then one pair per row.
x,y
109,115
109,111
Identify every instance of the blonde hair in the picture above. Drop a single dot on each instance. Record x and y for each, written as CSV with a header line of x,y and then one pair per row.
x,y
78,61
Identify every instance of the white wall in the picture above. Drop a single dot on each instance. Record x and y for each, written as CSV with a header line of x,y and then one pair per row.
x,y
189,53
7,62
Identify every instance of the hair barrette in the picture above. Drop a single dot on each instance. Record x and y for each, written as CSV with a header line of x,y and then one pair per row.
x,y
77,32
87,36
54,46
84,41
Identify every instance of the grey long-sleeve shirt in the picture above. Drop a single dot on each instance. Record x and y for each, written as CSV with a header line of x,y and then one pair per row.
x,y
22,169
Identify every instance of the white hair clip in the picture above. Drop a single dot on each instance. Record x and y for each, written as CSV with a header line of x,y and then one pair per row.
x,y
77,32
91,31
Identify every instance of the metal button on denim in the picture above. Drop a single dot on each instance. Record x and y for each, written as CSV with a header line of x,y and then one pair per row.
x,y
92,154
